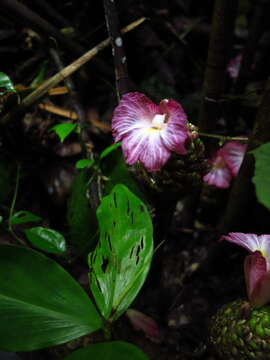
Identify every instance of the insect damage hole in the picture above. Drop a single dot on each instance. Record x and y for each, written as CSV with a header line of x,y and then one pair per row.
x,y
128,208
138,251
114,200
105,263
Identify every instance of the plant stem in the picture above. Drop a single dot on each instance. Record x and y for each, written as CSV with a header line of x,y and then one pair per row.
x,y
12,206
217,60
120,60
242,197
224,138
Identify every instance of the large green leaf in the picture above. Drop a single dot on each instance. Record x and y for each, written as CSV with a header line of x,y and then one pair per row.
x,y
109,351
81,216
40,303
261,177
120,263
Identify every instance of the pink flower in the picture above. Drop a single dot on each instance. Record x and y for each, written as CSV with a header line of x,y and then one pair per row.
x,y
256,266
233,153
233,67
145,323
219,175
149,132
225,164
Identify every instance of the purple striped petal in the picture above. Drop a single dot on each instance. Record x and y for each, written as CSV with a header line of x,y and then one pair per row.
x,y
252,243
147,147
176,132
134,110
233,153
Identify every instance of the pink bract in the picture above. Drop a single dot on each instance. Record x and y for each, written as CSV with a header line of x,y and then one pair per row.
x,y
233,153
233,67
219,175
256,266
149,132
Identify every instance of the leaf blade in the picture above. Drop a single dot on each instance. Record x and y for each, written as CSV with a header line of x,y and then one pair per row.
x,y
53,310
122,259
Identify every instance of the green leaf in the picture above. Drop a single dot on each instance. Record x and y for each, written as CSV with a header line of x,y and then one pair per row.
x,y
83,163
109,351
81,216
116,170
41,305
109,149
22,217
261,177
6,85
122,258
63,130
46,239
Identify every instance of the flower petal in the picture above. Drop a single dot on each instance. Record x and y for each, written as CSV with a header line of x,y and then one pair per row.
x,y
220,178
251,242
134,110
145,146
176,132
257,279
140,321
233,67
233,153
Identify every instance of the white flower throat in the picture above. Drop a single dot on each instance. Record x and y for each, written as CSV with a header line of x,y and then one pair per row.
x,y
158,122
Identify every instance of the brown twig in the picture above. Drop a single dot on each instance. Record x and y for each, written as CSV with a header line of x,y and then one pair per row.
x,y
63,74
120,60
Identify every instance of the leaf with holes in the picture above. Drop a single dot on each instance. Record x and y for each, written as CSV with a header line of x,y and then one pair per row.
x,y
122,258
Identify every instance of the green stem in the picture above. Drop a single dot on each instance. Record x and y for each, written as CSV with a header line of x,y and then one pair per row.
x,y
223,138
12,207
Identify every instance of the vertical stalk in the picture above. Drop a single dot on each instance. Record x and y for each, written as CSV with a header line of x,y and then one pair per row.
x,y
218,55
214,81
242,196
120,60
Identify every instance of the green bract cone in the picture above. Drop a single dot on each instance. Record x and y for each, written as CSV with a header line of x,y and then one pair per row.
x,y
239,331
181,172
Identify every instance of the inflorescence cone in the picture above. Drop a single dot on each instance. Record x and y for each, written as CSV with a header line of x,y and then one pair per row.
x,y
240,331
180,173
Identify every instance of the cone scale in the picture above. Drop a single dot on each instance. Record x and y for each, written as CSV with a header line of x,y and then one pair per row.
x,y
240,331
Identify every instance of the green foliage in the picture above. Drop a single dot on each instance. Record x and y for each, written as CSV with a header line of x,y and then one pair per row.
x,y
83,163
63,130
6,85
116,170
40,303
108,351
109,149
22,217
121,261
46,239
81,216
261,177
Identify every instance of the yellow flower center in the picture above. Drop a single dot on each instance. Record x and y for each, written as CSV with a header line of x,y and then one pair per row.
x,y
158,123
